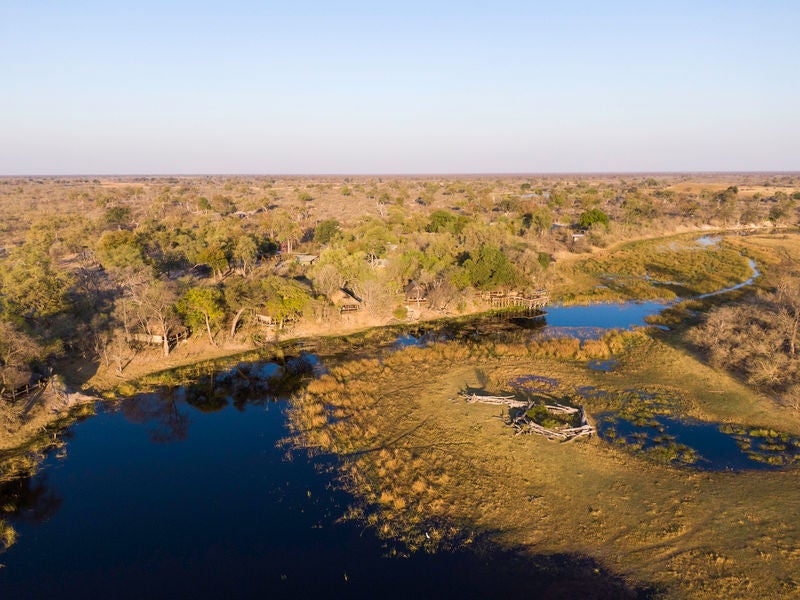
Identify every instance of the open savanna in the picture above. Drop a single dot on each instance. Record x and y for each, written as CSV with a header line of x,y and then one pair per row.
x,y
434,471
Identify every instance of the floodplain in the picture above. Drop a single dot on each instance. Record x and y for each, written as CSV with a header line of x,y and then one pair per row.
x,y
320,438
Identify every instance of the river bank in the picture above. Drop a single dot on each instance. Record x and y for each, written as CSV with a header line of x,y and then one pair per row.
x,y
586,289
421,469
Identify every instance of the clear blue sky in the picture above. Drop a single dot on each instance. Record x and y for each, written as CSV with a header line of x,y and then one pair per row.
x,y
119,87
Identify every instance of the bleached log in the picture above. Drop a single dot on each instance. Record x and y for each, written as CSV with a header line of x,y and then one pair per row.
x,y
527,426
509,401
561,409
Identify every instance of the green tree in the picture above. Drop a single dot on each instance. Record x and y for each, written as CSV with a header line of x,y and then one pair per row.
x,y
540,219
592,216
30,287
488,269
326,231
286,230
122,251
373,237
727,196
242,295
287,299
215,258
202,306
223,205
782,210
443,220
245,254
118,216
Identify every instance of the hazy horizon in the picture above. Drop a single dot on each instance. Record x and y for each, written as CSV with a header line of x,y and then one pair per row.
x,y
135,89
475,174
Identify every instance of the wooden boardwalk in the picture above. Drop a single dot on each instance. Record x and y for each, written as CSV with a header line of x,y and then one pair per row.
x,y
535,301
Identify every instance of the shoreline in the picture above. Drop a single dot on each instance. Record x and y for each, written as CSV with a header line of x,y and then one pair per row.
x,y
196,351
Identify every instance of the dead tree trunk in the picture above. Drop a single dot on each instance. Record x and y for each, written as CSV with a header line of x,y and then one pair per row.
x,y
236,321
208,329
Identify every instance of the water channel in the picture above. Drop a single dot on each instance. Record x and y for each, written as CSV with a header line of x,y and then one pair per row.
x,y
186,495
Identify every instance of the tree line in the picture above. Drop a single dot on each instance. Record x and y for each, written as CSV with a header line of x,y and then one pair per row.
x,y
92,268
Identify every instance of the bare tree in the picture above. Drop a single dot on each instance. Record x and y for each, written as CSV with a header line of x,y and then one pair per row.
x,y
789,311
16,350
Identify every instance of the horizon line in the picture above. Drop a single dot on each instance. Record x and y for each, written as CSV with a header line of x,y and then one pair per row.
x,y
406,174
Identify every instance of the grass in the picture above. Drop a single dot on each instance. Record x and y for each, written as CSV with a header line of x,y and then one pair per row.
x,y
436,472
663,268
8,535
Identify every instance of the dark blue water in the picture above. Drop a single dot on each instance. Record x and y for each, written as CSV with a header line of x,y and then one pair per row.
x,y
716,451
181,504
189,496
159,499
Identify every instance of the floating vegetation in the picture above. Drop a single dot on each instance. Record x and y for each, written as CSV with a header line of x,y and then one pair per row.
x,y
644,422
8,535
767,446
707,446
590,392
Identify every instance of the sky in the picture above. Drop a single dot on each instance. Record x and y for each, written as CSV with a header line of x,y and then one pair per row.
x,y
327,87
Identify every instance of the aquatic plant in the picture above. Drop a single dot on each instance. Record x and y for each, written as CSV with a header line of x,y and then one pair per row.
x,y
8,535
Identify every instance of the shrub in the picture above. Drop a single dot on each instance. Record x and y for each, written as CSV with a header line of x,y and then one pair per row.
x,y
592,216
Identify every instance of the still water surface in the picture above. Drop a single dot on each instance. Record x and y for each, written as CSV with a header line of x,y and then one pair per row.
x,y
157,498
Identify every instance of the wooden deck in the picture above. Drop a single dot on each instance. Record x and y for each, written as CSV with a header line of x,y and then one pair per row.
x,y
516,300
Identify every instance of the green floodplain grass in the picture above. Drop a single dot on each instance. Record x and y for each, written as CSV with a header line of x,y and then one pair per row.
x,y
434,471
664,268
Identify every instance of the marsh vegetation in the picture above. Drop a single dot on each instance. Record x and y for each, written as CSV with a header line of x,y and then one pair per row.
x,y
181,301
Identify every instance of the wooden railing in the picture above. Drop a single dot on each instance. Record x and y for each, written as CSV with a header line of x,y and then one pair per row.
x,y
513,299
23,391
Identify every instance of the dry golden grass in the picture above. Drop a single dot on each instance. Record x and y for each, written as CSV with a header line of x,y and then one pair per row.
x,y
436,472
772,248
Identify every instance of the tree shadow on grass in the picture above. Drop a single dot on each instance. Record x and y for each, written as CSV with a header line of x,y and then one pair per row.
x,y
484,571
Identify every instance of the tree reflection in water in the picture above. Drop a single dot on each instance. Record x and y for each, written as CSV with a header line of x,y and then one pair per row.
x,y
159,414
29,501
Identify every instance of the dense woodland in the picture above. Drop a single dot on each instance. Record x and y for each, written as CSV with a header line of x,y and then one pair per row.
x,y
99,268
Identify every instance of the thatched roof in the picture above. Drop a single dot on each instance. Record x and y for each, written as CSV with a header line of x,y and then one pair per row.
x,y
415,289
342,297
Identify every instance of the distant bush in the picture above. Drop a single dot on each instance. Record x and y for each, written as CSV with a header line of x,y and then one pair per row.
x,y
326,231
592,216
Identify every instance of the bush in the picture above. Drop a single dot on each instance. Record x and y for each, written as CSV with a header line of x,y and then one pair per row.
x,y
592,216
326,231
